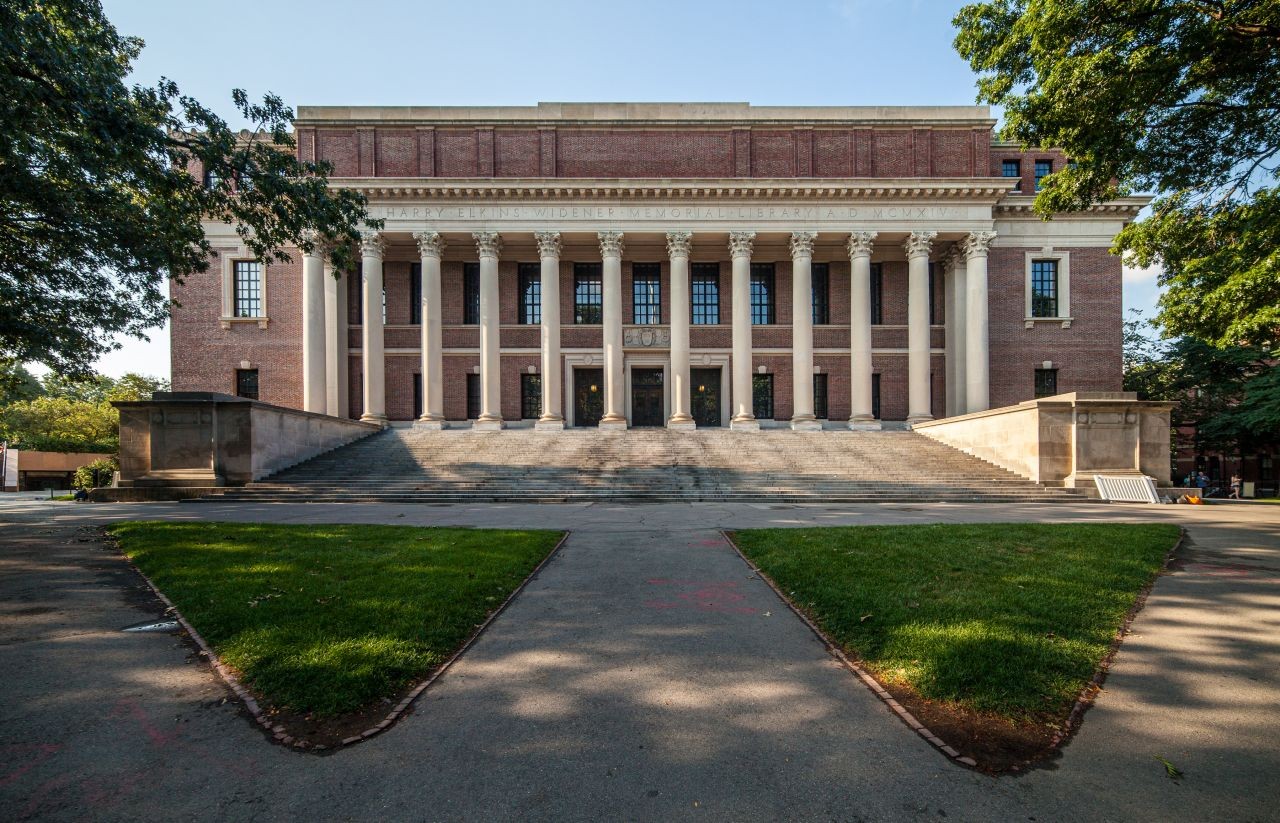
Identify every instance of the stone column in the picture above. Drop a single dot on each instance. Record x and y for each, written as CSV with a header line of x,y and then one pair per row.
x,y
375,388
802,418
860,416
679,244
488,245
959,311
740,250
335,343
949,329
615,413
313,328
977,363
430,250
552,418
919,408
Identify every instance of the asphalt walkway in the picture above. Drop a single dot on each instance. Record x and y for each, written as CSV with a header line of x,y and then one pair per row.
x,y
645,674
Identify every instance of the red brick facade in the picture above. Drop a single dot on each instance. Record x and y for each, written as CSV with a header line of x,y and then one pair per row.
x,y
207,349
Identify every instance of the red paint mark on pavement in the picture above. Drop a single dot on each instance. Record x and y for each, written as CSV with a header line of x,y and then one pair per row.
x,y
42,752
703,596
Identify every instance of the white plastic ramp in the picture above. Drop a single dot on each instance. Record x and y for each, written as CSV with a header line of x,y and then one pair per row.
x,y
1126,488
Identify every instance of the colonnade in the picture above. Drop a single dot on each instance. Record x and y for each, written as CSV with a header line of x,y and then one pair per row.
x,y
968,376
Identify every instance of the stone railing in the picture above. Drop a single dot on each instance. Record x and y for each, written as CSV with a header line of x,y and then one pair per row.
x,y
179,439
1066,439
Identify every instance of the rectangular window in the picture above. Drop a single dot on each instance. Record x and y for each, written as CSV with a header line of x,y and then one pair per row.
x,y
248,288
1046,382
1044,288
646,294
820,396
762,302
875,396
417,395
705,288
530,310
471,294
588,294
762,396
530,396
1044,168
473,396
247,383
821,294
415,296
1012,169
877,294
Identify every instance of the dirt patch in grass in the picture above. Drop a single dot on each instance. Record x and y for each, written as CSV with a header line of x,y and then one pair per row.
x,y
990,635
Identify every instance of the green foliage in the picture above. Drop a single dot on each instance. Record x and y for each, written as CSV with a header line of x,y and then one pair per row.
x,y
1231,394
1010,619
329,619
97,202
1182,98
74,414
16,382
96,474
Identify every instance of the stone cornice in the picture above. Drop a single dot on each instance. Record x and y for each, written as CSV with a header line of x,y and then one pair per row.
x,y
973,189
1127,207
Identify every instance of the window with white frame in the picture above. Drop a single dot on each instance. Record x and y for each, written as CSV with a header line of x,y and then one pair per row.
x,y
247,285
1048,287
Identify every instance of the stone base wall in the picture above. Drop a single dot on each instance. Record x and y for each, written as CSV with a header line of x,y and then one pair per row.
x,y
1066,439
179,439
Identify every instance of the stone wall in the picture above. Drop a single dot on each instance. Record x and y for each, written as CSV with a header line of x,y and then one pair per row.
x,y
207,439
1066,439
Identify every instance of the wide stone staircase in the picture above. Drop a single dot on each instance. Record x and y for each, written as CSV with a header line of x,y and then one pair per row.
x,y
403,465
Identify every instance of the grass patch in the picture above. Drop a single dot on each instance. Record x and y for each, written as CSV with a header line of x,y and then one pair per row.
x,y
1006,620
328,619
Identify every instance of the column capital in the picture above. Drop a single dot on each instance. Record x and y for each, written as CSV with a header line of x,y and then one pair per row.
x,y
953,257
860,243
312,238
918,243
802,243
977,243
430,243
372,244
679,243
548,243
488,243
610,243
740,243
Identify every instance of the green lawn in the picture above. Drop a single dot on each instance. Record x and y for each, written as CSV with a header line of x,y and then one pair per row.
x,y
1010,620
328,619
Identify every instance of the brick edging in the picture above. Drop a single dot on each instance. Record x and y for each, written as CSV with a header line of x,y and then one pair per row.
x,y
278,732
871,683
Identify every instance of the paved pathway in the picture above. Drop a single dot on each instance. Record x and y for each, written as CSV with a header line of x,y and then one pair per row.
x,y
644,675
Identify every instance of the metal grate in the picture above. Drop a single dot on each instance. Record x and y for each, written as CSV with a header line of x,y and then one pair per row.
x,y
1126,489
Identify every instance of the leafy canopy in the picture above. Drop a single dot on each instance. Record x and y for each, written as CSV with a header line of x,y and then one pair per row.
x,y
1181,97
98,204
69,415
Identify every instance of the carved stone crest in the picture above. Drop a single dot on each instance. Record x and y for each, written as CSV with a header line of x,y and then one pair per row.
x,y
802,243
646,337
740,243
679,243
548,243
488,243
610,243
860,243
918,243
430,243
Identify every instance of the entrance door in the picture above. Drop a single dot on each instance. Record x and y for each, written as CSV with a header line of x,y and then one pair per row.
x,y
588,396
705,396
646,397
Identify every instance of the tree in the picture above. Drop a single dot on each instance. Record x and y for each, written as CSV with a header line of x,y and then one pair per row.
x,y
98,203
16,382
1181,97
73,415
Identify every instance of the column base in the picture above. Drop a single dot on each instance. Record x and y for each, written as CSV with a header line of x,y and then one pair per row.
x,y
806,424
549,424
746,424
434,424
616,425
491,425
380,419
864,423
918,418
682,424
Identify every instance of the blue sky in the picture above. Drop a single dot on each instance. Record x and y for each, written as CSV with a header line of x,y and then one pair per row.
x,y
398,52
